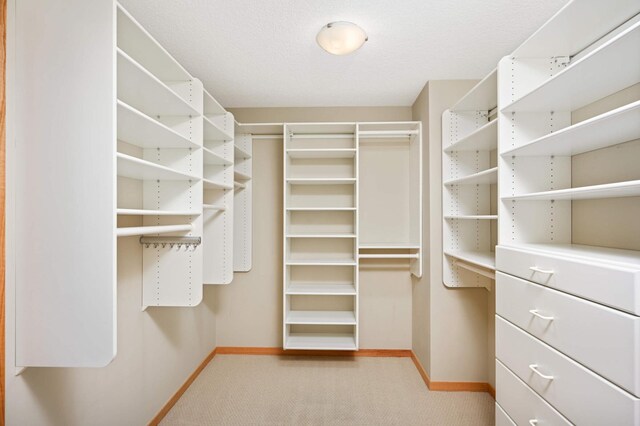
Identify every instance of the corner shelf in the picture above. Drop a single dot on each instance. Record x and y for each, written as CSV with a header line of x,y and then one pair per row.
x,y
609,190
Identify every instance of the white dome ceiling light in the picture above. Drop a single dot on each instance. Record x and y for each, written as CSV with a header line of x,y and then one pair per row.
x,y
341,38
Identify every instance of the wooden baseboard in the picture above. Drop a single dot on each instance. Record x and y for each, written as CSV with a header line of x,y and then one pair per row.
x,y
388,353
176,396
451,386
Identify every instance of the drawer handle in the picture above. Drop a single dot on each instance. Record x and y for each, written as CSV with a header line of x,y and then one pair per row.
x,y
539,315
533,422
534,368
542,271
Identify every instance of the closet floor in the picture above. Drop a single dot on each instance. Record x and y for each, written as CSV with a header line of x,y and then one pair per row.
x,y
291,390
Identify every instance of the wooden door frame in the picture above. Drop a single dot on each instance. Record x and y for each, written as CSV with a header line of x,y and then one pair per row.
x,y
3,133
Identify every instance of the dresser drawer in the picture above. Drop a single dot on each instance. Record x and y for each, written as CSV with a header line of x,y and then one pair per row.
x,y
502,419
603,339
523,405
570,387
613,285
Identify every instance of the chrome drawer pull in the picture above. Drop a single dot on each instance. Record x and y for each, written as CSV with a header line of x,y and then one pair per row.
x,y
533,422
534,368
542,271
539,315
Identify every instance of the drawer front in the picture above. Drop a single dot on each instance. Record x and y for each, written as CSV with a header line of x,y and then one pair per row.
x,y
611,285
602,339
502,419
569,386
523,405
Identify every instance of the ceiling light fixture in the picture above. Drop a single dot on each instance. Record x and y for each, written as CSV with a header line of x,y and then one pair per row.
x,y
341,38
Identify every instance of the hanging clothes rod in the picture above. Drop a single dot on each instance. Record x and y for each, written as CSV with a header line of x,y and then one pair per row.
x,y
322,136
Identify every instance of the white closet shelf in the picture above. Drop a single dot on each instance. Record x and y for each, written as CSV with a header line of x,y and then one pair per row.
x,y
145,92
211,105
239,176
321,317
386,134
214,133
484,138
336,235
321,341
314,289
482,97
322,153
321,181
484,259
581,83
143,212
608,190
214,207
139,129
608,129
390,256
136,168
321,209
210,184
485,177
135,40
473,217
240,153
321,262
146,230
388,246
239,185
211,158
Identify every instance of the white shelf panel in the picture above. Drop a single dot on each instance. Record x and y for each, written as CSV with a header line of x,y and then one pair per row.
x,y
214,133
214,207
321,318
484,259
239,176
309,289
485,138
240,153
138,129
485,177
321,235
210,184
580,251
321,209
473,217
141,212
608,129
482,97
135,168
389,246
321,341
142,90
239,185
211,158
390,256
321,262
211,105
321,181
576,26
322,153
592,77
609,190
263,129
146,230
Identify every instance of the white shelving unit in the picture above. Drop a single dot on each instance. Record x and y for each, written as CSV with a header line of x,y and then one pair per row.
x,y
243,201
470,175
219,201
320,290
562,179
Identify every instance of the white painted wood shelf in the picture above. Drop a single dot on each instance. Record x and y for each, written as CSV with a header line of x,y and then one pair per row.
x,y
608,190
241,153
484,138
211,184
213,132
484,259
214,207
321,318
322,153
213,158
321,341
147,230
142,212
327,235
482,97
320,209
322,262
388,246
485,177
136,168
321,181
473,217
321,289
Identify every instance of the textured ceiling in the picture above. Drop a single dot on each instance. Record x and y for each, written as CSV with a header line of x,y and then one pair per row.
x,y
257,53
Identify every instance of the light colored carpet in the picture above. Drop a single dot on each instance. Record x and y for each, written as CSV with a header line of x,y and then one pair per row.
x,y
272,390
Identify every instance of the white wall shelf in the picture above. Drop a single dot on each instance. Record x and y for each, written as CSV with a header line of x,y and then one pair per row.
x,y
142,212
136,168
608,190
321,181
392,246
322,289
484,259
414,256
321,153
147,230
214,207
319,209
321,341
241,153
607,129
213,158
321,262
485,177
485,138
243,199
321,235
473,217
321,318
239,176
482,97
210,184
213,132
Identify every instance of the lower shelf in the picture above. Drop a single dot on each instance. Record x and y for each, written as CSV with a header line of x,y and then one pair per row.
x,y
321,318
146,230
321,341
321,289
484,259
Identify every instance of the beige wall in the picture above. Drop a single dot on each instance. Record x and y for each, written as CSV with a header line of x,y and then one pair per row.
x,y
249,310
458,344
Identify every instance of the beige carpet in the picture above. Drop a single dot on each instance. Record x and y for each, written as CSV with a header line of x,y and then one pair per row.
x,y
271,390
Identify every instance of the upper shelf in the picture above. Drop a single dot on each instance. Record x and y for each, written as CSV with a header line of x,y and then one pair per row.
x,y
608,129
576,26
212,106
262,129
482,97
136,168
484,177
145,92
139,44
322,153
212,158
484,138
240,153
141,130
611,67
214,133
608,190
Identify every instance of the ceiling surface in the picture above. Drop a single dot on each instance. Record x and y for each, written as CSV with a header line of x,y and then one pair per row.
x,y
262,53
